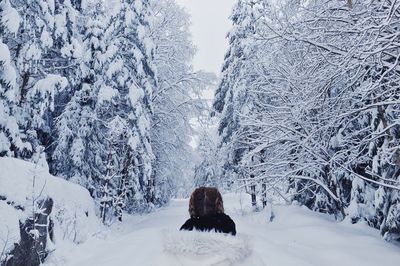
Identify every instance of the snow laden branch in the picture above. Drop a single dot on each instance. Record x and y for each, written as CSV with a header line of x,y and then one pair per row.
x,y
309,103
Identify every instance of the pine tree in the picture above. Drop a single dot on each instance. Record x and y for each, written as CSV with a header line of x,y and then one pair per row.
x,y
110,113
138,61
11,143
78,128
231,95
37,58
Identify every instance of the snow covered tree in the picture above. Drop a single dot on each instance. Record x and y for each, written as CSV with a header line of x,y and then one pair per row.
x,y
11,143
137,56
176,99
320,117
206,172
232,98
77,126
38,52
110,113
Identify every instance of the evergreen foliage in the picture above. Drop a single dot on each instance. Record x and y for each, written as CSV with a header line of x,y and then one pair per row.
x,y
87,90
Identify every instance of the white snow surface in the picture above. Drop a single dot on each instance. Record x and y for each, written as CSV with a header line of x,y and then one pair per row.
x,y
4,54
296,236
9,17
73,210
9,230
107,93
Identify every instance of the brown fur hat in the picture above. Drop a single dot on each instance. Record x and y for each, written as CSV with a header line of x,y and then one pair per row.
x,y
205,201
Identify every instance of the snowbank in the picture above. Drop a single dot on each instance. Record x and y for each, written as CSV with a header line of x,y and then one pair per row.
x,y
22,183
9,230
301,237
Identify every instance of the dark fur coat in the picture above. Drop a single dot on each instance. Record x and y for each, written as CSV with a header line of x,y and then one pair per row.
x,y
219,222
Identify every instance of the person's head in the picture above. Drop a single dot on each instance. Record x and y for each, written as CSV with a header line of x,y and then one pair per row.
x,y
205,201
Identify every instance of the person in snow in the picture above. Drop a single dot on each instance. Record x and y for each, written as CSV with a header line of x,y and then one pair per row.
x,y
206,211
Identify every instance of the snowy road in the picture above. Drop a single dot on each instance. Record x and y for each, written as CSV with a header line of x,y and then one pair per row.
x,y
295,237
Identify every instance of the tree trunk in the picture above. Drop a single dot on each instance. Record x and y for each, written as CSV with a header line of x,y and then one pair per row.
x,y
264,195
253,195
350,3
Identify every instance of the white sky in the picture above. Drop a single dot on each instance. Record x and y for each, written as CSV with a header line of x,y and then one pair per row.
x,y
210,25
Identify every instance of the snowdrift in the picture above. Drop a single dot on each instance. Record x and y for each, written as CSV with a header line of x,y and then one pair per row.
x,y
22,183
194,248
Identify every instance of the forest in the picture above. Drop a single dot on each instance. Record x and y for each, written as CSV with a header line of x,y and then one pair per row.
x,y
306,108
309,106
101,97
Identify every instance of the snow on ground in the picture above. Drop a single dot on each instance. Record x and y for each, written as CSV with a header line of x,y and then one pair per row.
x,y
22,183
296,236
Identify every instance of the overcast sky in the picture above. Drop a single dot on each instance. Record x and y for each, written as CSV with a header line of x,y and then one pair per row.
x,y
210,25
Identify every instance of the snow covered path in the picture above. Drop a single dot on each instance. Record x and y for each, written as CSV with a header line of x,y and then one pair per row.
x,y
296,236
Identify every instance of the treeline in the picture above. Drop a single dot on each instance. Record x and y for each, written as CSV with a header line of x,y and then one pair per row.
x,y
309,101
101,93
